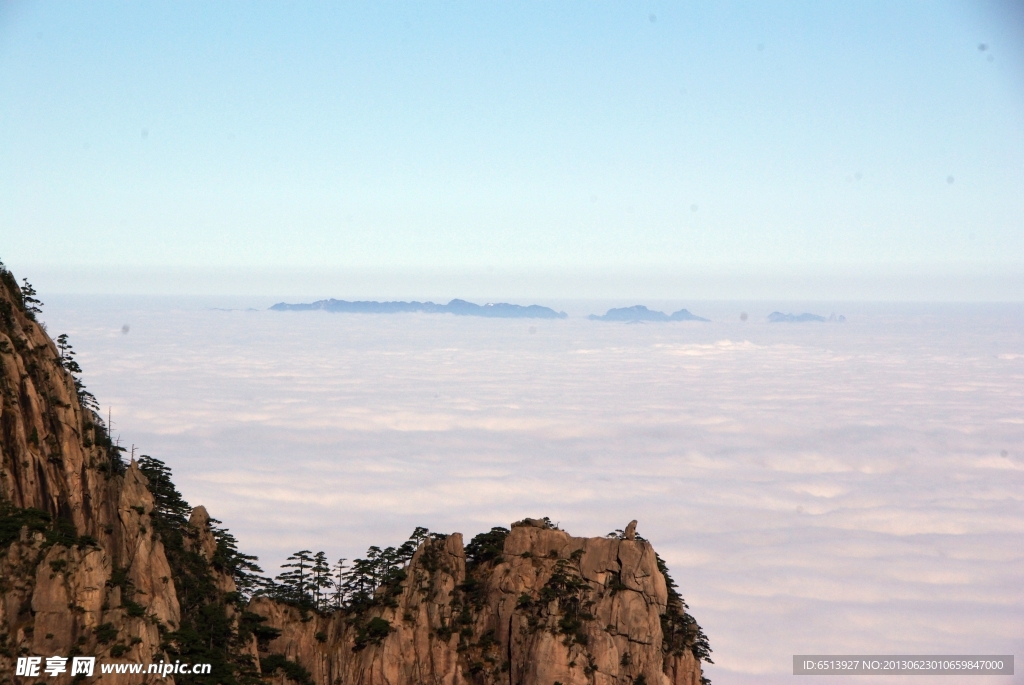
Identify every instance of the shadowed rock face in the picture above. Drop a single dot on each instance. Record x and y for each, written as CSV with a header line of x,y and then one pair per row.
x,y
552,608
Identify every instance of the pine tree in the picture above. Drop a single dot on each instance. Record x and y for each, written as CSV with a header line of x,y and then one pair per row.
x,y
67,354
358,585
170,507
295,583
338,601
67,360
31,305
321,581
241,567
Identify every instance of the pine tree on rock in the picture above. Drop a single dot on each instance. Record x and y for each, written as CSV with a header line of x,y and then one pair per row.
x,y
295,582
321,582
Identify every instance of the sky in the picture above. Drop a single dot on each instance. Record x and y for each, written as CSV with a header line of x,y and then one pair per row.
x,y
847,150
819,488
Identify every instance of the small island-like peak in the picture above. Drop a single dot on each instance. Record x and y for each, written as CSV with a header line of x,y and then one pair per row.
x,y
498,310
639,312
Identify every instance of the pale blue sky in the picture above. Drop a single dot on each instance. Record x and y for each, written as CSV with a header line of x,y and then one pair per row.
x,y
556,138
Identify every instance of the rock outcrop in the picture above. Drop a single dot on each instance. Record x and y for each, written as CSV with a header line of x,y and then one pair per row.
x,y
551,608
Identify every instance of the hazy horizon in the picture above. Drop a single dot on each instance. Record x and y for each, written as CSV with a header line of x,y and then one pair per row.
x,y
543,286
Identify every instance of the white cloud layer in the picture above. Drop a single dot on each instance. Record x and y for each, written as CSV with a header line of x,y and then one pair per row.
x,y
815,488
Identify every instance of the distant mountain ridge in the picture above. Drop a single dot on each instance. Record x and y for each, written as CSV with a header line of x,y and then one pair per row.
x,y
639,312
499,310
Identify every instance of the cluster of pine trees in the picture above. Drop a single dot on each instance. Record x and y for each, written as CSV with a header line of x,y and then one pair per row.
x,y
309,581
206,633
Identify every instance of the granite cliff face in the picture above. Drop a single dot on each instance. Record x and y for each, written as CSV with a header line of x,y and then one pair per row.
x,y
550,608
102,558
80,569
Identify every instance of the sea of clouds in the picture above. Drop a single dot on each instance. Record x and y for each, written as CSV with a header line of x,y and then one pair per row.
x,y
826,488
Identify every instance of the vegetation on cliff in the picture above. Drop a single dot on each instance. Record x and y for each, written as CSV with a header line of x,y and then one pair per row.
x,y
67,500
207,632
57,525
376,587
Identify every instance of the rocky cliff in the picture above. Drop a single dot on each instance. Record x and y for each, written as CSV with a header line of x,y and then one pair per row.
x,y
549,608
102,558
80,569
